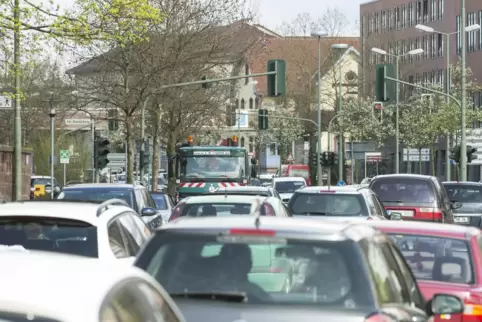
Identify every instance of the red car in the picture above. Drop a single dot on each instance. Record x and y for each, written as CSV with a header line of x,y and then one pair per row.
x,y
443,259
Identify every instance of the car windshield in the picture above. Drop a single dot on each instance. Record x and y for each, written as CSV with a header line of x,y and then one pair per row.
x,y
299,173
268,269
288,186
49,234
404,190
42,181
464,193
217,209
96,194
436,258
219,165
160,201
327,204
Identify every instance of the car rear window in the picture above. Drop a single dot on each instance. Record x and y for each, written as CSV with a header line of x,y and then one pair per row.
x,y
217,209
436,258
96,194
404,190
160,201
464,193
288,186
328,204
49,234
272,269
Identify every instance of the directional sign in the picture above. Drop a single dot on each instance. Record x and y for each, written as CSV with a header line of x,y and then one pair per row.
x,y
340,183
64,156
5,102
373,156
79,122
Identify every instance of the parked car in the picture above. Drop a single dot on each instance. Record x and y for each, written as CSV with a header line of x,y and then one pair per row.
x,y
469,195
326,271
337,203
109,230
45,181
48,287
286,186
136,195
164,204
416,197
443,259
247,191
227,205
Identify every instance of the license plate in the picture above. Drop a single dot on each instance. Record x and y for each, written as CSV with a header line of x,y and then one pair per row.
x,y
461,219
405,213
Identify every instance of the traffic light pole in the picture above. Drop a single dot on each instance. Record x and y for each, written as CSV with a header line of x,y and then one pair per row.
x,y
92,124
143,143
215,80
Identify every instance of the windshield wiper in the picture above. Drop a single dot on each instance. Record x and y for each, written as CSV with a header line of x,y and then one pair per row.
x,y
217,296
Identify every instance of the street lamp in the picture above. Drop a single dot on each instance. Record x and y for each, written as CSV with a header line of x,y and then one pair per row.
x,y
340,138
397,95
318,161
428,29
52,148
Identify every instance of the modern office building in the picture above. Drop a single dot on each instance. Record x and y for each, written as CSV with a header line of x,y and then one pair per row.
x,y
390,25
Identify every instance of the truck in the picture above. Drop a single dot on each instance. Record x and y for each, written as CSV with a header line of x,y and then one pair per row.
x,y
204,169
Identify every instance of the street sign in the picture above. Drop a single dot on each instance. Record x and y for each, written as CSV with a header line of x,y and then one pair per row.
x,y
5,103
373,156
78,122
452,161
290,158
64,156
340,183
416,155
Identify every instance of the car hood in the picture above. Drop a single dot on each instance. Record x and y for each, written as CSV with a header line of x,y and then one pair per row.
x,y
469,208
430,288
218,311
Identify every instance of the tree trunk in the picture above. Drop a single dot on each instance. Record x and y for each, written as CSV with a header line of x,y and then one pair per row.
x,y
130,149
155,142
432,158
171,153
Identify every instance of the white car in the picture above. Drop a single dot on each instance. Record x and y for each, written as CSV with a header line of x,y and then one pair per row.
x,y
110,230
226,205
286,186
49,287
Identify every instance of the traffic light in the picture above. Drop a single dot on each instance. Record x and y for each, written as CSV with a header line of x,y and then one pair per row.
x,y
234,140
144,159
378,111
190,141
314,158
277,82
470,154
384,89
101,152
455,153
206,85
263,119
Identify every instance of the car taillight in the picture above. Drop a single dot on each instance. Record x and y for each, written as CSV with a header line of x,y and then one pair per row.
x,y
378,317
472,307
435,212
268,210
176,213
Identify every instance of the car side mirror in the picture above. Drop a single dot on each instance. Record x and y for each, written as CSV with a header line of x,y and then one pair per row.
x,y
395,216
455,205
148,212
444,304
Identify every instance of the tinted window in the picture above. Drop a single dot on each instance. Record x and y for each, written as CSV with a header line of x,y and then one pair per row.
x,y
94,194
331,204
49,234
464,193
288,186
436,258
220,209
326,272
160,201
409,190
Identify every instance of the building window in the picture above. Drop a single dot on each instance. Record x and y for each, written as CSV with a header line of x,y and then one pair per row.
x,y
471,35
418,10
410,15
397,17
369,25
417,46
457,35
433,10
242,142
384,21
433,44
433,77
404,17
237,104
441,74
251,103
251,144
425,47
389,19
440,49
246,72
243,104
425,10
256,103
440,9
480,32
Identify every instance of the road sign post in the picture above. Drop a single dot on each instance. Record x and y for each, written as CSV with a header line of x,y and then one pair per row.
x,y
64,159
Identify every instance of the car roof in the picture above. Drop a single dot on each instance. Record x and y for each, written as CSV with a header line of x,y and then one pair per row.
x,y
58,283
103,186
338,190
289,179
464,183
81,211
323,230
401,175
220,198
422,228
246,188
40,177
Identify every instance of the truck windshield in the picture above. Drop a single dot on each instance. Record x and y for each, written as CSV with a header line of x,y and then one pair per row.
x,y
213,166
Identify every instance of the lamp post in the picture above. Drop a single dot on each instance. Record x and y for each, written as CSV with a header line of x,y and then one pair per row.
x,y
318,150
447,80
397,98
52,148
340,107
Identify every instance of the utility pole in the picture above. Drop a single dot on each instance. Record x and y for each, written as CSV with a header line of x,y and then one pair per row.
x,y
143,143
340,137
18,119
397,116
92,124
463,134
447,101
